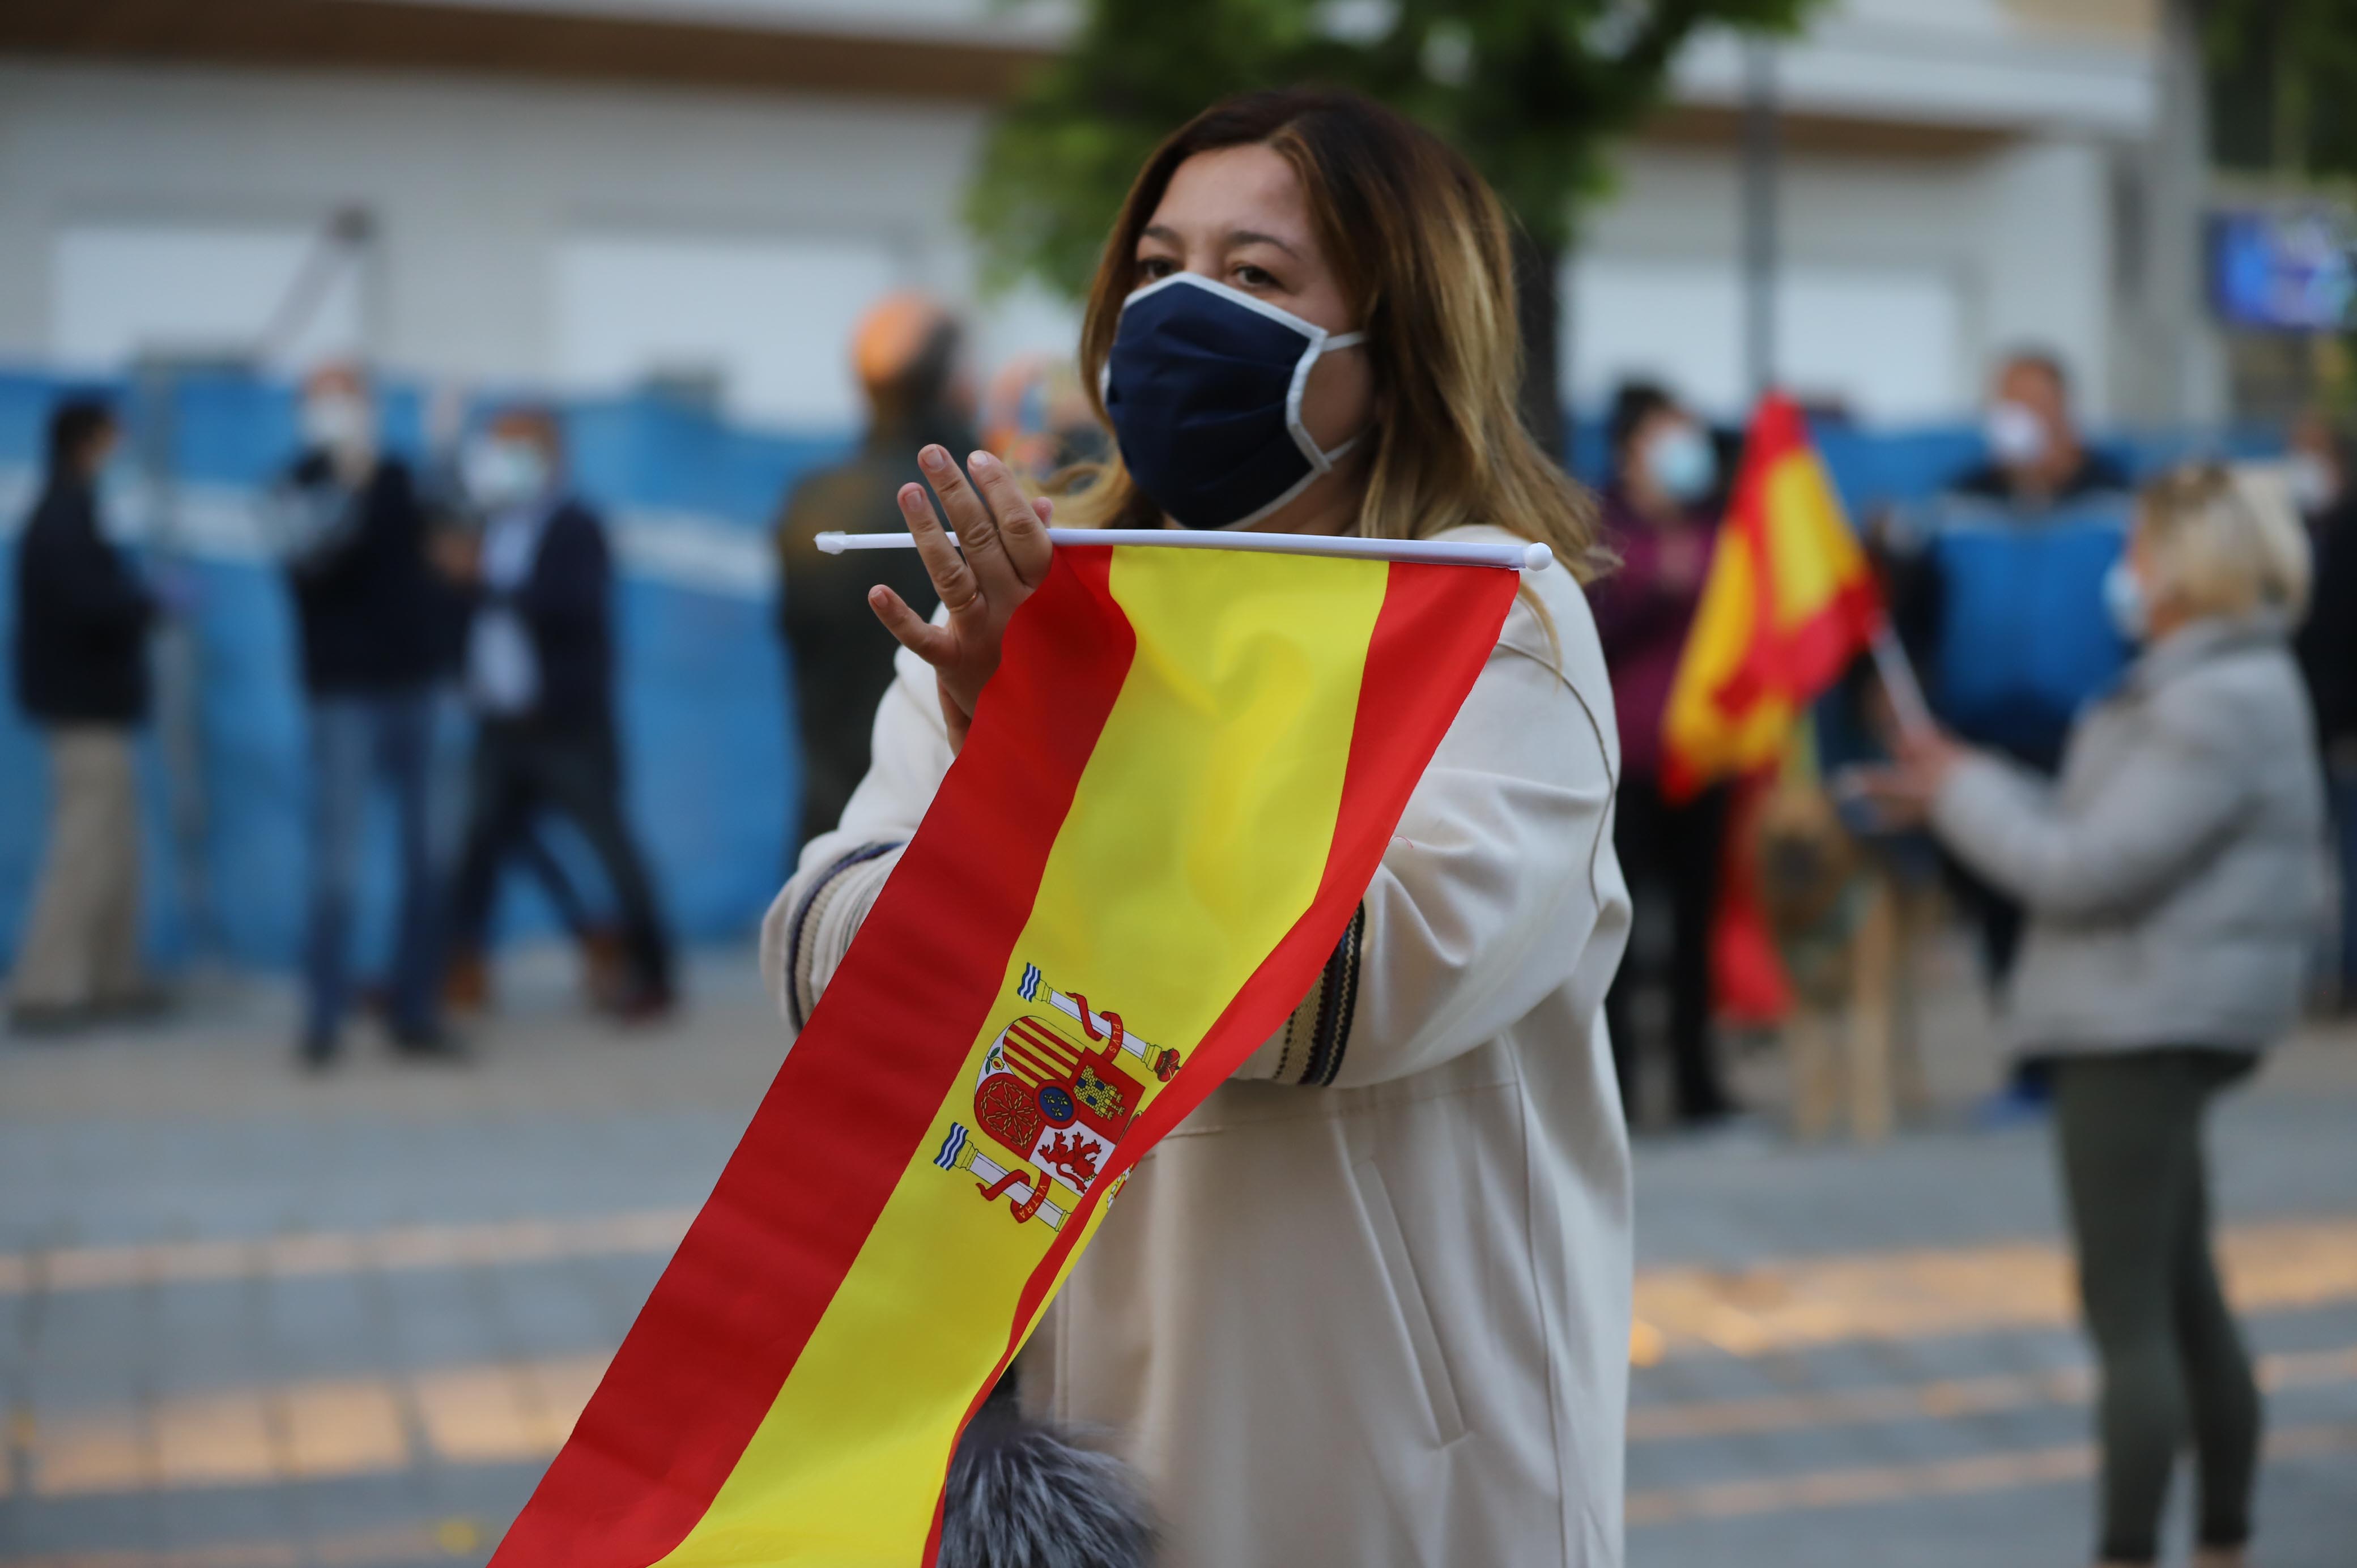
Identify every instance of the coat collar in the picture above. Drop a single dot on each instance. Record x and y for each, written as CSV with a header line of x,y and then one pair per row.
x,y
2213,636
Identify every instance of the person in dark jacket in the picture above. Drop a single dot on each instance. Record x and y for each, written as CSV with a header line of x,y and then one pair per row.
x,y
82,619
365,603
906,351
540,674
2037,460
2319,477
1659,520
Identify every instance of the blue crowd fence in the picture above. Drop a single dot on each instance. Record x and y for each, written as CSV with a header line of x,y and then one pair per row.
x,y
689,498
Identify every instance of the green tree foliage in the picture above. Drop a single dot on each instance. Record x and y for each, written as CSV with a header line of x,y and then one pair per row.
x,y
1532,91
2284,84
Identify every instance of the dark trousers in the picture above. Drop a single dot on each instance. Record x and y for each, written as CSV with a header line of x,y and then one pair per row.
x,y
2129,1137
1997,918
521,769
1671,850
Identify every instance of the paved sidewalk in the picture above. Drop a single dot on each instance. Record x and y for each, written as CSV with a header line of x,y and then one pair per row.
x,y
254,1320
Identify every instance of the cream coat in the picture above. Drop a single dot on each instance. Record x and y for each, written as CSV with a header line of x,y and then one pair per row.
x,y
1368,1306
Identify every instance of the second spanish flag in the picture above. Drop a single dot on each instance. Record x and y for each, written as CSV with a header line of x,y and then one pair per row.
x,y
1790,601
1178,786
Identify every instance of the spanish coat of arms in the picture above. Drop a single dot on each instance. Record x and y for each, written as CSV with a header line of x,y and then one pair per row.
x,y
1055,1092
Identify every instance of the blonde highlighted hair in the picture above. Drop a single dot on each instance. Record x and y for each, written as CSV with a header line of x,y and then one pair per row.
x,y
2223,542
1421,246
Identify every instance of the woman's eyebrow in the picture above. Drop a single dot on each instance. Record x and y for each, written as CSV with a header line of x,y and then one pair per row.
x,y
1255,237
1163,233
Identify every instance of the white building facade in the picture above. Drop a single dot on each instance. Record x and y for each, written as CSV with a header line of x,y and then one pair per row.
x,y
586,194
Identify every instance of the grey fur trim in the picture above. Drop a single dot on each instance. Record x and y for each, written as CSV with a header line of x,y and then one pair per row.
x,y
1022,1495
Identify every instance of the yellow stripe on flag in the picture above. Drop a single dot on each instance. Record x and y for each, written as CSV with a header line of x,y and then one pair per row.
x,y
1162,895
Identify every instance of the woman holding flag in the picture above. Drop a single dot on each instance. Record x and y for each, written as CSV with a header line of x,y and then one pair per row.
x,y
1370,1303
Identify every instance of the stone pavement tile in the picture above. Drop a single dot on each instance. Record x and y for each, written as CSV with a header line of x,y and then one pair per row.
x,y
1728,1205
261,1176
2043,1525
616,1288
96,1352
316,1327
439,1317
373,1522
545,1309
2025,1508
2306,1513
2332,1327
207,1335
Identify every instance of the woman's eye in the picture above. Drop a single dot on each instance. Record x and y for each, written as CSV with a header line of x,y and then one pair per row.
x,y
1250,276
1151,268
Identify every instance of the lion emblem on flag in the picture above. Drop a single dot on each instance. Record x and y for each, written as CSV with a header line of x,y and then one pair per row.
x,y
1055,1092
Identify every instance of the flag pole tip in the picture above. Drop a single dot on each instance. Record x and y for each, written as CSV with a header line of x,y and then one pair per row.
x,y
829,543
1537,557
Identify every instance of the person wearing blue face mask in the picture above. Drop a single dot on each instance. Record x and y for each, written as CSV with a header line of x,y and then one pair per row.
x,y
1660,517
1370,1304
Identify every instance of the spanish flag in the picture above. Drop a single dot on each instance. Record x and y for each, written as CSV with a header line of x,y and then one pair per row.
x,y
1790,601
1176,791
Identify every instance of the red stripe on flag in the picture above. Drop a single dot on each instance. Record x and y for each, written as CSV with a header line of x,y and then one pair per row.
x,y
1433,635
703,1365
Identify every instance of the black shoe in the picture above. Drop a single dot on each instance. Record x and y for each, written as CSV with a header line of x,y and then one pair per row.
x,y
429,1044
50,1020
648,1002
316,1053
141,1005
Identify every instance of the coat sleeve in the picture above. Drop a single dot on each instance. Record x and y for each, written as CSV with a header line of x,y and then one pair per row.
x,y
811,923
1488,895
2157,812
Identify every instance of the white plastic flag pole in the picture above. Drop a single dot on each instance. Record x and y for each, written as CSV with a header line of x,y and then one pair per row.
x,y
1531,557
1897,672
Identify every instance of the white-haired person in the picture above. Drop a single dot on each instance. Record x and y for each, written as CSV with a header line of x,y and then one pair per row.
x,y
2173,876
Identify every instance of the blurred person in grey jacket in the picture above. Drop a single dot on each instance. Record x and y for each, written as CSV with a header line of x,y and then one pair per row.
x,y
2173,876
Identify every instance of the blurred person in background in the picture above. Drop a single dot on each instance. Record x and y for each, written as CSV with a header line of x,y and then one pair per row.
x,y
2010,635
2173,877
540,675
2037,455
1659,518
454,527
2317,470
1036,420
368,606
82,620
2037,459
907,352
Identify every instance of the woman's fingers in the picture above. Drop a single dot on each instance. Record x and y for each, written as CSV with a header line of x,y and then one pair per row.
x,y
952,579
1021,532
920,637
977,530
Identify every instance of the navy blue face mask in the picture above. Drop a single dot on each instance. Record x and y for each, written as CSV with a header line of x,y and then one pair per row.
x,y
1204,389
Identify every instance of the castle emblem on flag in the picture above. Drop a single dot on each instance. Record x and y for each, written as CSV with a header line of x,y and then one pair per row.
x,y
1056,1091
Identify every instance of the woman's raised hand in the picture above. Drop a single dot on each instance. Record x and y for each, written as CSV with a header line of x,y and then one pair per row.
x,y
1004,556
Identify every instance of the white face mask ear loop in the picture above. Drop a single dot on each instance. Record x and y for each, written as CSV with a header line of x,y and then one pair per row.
x,y
1320,460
